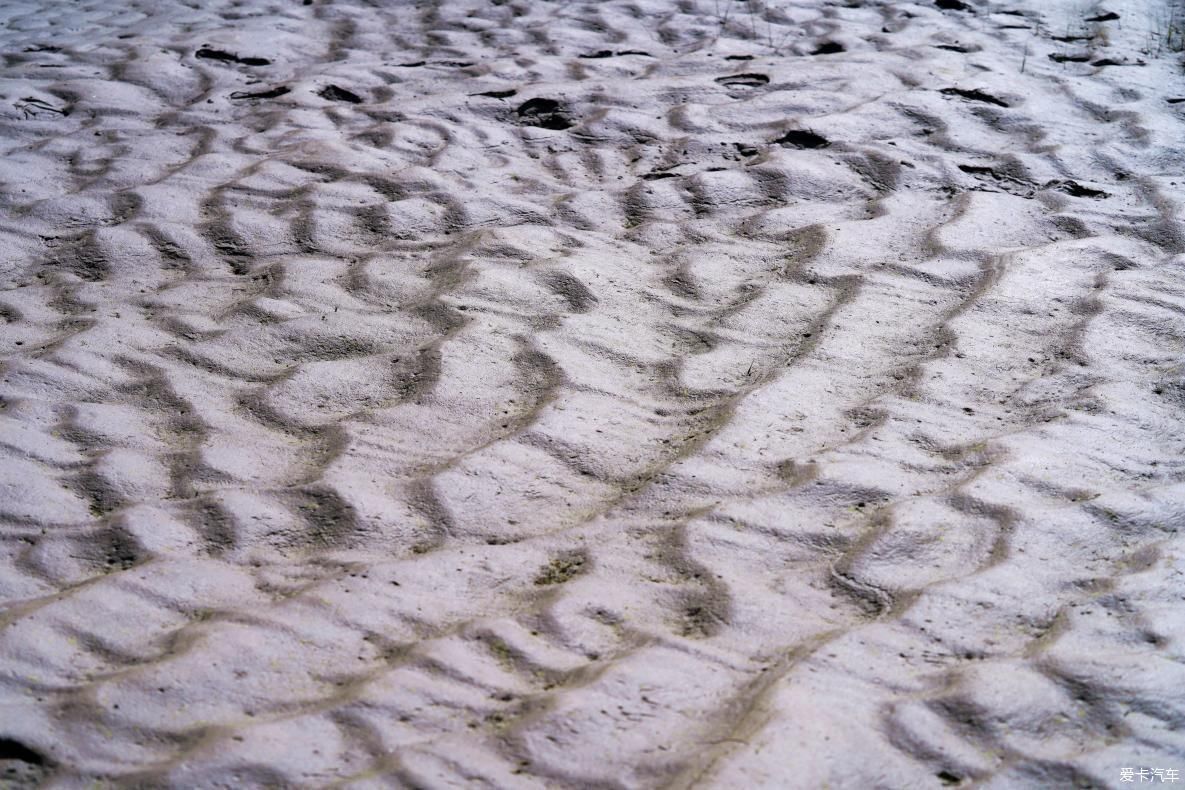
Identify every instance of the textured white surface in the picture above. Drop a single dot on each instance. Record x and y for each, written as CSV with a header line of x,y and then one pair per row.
x,y
407,441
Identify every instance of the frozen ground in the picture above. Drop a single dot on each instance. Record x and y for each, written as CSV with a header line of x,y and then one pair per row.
x,y
510,393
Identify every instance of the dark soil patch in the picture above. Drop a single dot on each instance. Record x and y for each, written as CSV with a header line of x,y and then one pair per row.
x,y
1074,189
608,53
829,48
334,93
561,569
802,138
974,95
743,80
206,53
15,750
21,766
274,93
544,113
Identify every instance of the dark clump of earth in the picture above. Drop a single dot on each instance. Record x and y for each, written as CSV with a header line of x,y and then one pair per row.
x,y
273,93
743,80
828,48
334,93
974,95
802,138
207,53
544,113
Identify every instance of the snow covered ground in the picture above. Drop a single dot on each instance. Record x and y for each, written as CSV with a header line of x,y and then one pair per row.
x,y
638,393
